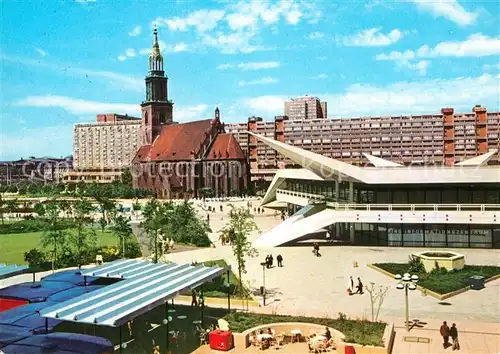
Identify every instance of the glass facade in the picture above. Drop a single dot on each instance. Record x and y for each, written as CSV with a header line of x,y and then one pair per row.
x,y
428,235
411,235
401,194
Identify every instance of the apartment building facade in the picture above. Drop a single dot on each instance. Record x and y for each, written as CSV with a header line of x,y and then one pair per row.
x,y
305,107
444,138
102,150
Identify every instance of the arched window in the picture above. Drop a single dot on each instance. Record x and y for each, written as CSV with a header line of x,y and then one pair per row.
x,y
146,117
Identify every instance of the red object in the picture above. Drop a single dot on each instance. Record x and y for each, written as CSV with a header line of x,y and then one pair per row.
x,y
7,304
220,340
349,349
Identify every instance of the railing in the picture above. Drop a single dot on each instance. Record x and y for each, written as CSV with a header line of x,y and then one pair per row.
x,y
392,207
415,207
301,194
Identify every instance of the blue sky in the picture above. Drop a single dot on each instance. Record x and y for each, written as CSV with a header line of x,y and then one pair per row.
x,y
62,62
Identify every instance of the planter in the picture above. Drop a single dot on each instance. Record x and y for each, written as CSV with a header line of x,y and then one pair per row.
x,y
449,260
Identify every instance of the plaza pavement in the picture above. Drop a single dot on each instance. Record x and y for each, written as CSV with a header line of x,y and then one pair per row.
x,y
316,286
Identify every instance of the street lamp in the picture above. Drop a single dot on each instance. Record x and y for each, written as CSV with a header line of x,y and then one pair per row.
x,y
263,290
406,282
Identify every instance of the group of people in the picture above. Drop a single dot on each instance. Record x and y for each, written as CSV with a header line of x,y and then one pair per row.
x,y
269,260
258,210
359,286
197,300
447,332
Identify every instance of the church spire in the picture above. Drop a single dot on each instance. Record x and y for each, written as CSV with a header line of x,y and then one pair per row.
x,y
155,58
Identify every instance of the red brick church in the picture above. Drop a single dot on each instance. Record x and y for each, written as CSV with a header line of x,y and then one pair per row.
x,y
178,160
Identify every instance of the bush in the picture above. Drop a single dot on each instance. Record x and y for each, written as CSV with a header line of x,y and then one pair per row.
x,y
33,225
132,249
108,253
36,259
355,331
136,206
415,265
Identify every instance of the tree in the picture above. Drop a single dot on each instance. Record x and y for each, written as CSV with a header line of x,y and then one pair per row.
x,y
122,229
126,178
103,198
54,234
11,206
240,225
2,208
377,296
155,218
83,236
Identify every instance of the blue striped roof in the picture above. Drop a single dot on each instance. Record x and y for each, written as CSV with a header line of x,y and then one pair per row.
x,y
145,286
7,271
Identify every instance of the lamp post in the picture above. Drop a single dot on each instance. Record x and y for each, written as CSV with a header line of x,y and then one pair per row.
x,y
406,282
263,291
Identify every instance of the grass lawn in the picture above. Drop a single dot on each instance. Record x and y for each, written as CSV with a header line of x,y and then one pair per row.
x,y
13,246
355,331
443,282
217,288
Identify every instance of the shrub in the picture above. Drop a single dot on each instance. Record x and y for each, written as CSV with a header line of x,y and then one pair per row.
x,y
33,225
35,258
415,265
136,206
132,249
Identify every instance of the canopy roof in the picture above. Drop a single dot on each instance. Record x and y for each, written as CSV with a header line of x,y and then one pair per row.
x,y
7,271
146,286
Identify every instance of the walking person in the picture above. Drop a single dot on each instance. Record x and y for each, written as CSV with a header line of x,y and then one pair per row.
x,y
445,333
316,249
279,259
194,300
271,259
359,287
454,337
350,286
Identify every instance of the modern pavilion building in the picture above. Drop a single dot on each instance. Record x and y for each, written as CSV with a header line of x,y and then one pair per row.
x,y
386,204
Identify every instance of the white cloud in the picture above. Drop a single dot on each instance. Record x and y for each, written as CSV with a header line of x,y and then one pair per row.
x,y
475,45
372,37
322,58
266,104
491,67
123,82
263,81
449,9
257,65
202,20
130,52
41,52
320,76
53,141
187,113
429,96
78,106
315,35
180,47
122,58
135,31
237,27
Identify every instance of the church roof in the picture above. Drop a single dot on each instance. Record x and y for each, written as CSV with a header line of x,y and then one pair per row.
x,y
176,142
225,147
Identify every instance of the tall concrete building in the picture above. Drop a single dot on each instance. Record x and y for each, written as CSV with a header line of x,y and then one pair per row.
x,y
102,150
305,107
442,138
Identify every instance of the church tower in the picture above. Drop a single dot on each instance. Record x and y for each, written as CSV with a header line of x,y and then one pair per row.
x,y
157,108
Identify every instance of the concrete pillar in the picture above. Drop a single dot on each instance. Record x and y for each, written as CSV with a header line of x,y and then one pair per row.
x,y
337,200
351,201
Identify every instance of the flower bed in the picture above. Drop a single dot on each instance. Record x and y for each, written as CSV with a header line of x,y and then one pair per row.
x,y
443,281
355,331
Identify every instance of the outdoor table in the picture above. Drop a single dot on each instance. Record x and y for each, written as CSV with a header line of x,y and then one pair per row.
x,y
197,322
264,336
320,337
171,310
296,334
181,317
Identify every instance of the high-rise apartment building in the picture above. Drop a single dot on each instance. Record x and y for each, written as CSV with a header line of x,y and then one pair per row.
x,y
444,138
103,149
305,107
